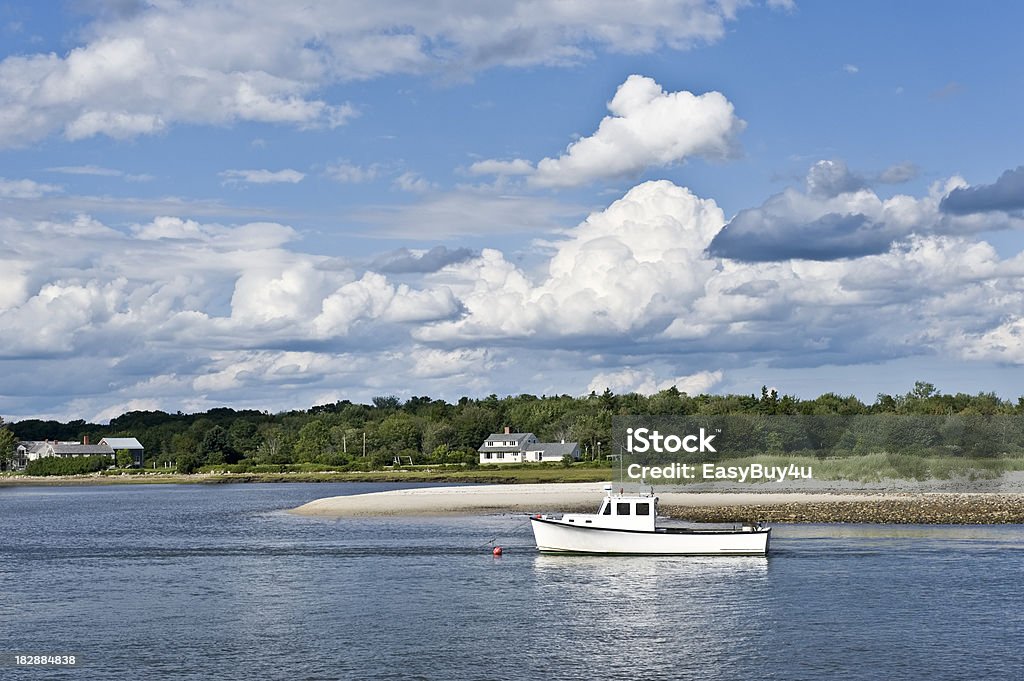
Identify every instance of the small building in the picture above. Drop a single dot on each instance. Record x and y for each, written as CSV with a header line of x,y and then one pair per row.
x,y
509,447
133,447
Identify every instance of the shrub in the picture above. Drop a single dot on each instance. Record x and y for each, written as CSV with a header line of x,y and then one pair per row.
x,y
78,465
187,463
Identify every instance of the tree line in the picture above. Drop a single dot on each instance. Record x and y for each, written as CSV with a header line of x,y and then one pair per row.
x,y
346,434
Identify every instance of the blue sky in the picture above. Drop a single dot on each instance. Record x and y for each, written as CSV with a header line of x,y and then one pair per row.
x,y
241,203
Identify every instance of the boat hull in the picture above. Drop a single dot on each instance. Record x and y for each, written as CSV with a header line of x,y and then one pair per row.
x,y
554,536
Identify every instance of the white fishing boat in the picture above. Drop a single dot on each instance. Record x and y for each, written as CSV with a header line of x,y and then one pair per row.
x,y
627,524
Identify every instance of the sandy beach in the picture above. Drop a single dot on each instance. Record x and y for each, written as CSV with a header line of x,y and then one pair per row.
x,y
901,507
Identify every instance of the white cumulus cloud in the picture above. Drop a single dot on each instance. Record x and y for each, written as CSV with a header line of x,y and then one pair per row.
x,y
648,127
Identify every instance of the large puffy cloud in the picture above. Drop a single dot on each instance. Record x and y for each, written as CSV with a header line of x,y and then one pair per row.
x,y
618,272
648,127
227,60
838,216
373,298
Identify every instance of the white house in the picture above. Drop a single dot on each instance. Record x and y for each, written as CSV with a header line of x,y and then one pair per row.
x,y
511,447
31,450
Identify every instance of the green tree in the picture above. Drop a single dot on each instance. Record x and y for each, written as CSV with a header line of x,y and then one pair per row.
x,y
314,441
184,443
123,458
244,437
400,432
216,447
187,463
8,442
441,453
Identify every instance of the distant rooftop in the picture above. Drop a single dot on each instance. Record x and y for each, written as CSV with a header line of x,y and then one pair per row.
x,y
79,449
122,443
508,437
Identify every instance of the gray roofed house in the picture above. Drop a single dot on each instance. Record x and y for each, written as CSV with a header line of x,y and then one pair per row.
x,y
509,447
130,444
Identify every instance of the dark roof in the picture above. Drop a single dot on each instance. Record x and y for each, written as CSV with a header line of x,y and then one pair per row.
x,y
505,437
554,448
82,450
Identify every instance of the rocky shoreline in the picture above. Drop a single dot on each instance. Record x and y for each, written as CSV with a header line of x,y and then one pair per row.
x,y
915,509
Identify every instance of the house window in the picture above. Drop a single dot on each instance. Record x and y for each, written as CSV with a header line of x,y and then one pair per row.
x,y
643,509
622,508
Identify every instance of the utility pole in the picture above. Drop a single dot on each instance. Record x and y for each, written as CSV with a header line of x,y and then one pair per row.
x,y
364,443
344,444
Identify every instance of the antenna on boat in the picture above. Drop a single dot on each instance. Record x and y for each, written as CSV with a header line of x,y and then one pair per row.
x,y
620,463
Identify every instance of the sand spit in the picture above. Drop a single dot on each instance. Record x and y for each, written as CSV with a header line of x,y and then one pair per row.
x,y
852,507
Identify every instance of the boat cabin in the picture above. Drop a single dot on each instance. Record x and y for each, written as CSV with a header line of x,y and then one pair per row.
x,y
620,512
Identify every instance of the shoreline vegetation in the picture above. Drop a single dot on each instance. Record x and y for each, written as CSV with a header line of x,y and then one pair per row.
x,y
432,432
868,470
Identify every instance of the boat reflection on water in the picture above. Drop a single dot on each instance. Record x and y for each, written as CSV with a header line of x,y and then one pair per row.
x,y
617,609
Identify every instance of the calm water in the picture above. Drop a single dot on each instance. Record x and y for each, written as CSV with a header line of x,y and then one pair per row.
x,y
192,582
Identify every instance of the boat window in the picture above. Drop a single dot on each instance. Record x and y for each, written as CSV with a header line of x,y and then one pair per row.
x,y
607,508
643,509
622,508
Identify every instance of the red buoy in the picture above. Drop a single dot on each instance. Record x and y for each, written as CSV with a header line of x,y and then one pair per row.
x,y
496,551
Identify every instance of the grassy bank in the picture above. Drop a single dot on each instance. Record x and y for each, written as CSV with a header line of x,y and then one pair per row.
x,y
869,468
534,474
